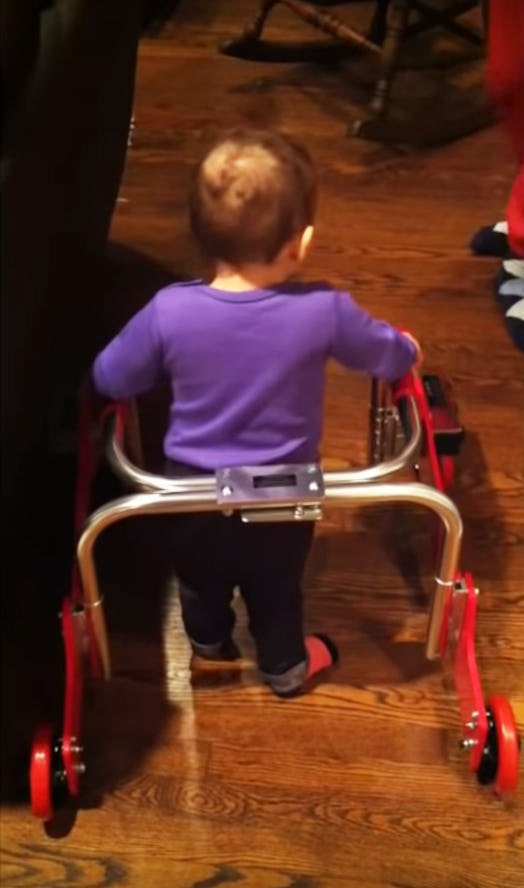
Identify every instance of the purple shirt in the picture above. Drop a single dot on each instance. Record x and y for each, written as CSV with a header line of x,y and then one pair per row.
x,y
247,370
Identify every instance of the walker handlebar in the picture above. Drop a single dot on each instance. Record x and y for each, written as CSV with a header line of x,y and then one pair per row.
x,y
116,420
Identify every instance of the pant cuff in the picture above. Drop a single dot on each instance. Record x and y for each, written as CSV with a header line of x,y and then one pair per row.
x,y
288,683
208,651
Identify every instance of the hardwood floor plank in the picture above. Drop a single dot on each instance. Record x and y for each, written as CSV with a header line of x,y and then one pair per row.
x,y
201,779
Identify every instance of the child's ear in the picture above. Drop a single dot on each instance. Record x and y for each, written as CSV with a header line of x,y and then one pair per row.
x,y
296,249
305,242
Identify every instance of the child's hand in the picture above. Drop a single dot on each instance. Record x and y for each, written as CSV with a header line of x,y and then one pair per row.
x,y
417,345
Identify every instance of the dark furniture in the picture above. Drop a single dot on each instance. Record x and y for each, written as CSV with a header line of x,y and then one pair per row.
x,y
393,22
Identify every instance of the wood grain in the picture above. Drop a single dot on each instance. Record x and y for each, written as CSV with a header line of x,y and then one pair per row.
x,y
202,779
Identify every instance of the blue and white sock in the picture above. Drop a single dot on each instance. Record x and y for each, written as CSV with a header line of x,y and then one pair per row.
x,y
492,240
509,291
514,319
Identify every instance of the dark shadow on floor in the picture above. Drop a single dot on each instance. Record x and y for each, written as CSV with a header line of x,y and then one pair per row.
x,y
37,577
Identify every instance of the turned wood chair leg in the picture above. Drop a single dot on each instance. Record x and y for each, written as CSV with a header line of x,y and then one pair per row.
x,y
378,26
398,15
254,30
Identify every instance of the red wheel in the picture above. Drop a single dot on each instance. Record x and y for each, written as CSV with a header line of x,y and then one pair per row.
x,y
447,468
40,774
47,776
499,766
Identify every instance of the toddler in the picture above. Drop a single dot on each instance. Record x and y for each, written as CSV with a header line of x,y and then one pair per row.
x,y
245,354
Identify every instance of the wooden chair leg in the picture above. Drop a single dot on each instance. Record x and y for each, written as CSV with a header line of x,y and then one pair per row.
x,y
398,15
344,43
254,30
379,22
249,44
372,126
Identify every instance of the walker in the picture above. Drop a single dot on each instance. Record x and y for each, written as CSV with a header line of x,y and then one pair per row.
x,y
412,423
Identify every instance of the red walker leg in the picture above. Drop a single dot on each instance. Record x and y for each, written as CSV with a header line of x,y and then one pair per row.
x,y
490,734
56,762
75,639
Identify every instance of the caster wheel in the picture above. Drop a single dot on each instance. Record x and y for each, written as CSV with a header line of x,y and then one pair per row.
x,y
47,779
447,468
499,766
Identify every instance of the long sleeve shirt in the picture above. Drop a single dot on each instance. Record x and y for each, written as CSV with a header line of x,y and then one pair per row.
x,y
247,370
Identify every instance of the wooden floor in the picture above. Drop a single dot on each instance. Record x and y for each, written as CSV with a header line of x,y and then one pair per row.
x,y
207,780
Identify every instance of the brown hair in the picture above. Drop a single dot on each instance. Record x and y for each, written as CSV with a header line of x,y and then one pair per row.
x,y
251,193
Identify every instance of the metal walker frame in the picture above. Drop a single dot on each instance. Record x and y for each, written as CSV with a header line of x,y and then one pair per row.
x,y
401,432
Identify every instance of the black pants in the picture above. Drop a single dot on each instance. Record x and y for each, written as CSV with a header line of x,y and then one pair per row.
x,y
214,553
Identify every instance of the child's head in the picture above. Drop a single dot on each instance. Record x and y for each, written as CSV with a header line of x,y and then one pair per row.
x,y
253,199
